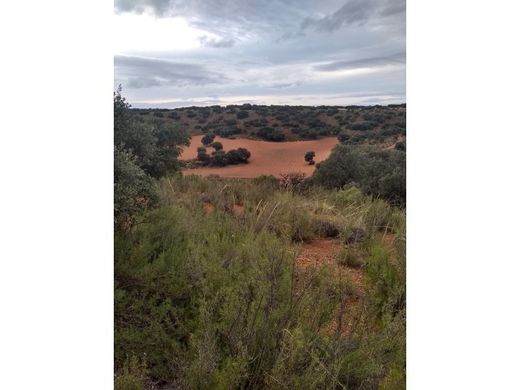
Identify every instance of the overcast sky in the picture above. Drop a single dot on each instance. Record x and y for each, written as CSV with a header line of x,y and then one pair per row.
x,y
173,53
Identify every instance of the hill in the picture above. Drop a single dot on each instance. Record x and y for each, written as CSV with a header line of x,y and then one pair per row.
x,y
383,125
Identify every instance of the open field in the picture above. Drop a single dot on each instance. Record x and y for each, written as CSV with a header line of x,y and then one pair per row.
x,y
267,158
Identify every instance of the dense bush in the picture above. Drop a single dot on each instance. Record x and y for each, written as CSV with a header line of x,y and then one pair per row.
x,y
207,139
377,172
377,122
363,126
271,134
134,190
309,157
198,305
242,115
217,146
142,149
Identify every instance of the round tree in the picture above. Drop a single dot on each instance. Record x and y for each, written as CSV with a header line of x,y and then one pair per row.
x,y
208,139
217,145
309,157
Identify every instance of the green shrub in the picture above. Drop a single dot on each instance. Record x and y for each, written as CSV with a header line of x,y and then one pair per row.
x,y
133,374
349,259
375,171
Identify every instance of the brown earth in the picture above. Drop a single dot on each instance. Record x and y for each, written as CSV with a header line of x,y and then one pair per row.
x,y
348,314
267,158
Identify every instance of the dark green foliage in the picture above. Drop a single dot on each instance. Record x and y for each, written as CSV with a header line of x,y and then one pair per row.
x,y
238,156
400,146
378,172
242,115
142,149
309,157
217,146
134,190
343,138
155,144
276,123
213,301
202,155
367,125
219,159
271,134
207,139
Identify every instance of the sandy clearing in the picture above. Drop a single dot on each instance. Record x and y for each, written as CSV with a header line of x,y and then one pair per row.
x,y
267,158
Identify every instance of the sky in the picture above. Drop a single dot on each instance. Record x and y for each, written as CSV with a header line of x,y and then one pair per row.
x,y
176,53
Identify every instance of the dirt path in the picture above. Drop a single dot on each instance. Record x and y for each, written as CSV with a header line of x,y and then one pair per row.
x,y
267,158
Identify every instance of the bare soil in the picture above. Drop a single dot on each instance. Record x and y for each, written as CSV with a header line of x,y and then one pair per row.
x,y
267,158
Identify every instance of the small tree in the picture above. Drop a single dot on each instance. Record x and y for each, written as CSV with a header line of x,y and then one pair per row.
x,y
207,139
309,157
217,145
202,155
219,159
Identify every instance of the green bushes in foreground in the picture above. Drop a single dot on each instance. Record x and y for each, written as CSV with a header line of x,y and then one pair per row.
x,y
212,300
377,172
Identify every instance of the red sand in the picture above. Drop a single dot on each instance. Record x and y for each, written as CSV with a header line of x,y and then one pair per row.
x,y
267,158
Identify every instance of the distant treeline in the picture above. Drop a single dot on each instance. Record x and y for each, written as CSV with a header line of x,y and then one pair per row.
x,y
364,124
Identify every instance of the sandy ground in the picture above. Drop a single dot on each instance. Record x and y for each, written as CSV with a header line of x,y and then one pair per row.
x,y
267,158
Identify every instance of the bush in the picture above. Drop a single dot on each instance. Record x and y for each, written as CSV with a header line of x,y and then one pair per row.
x,y
400,146
271,134
343,137
219,159
309,157
217,146
242,115
202,155
375,171
348,258
238,156
155,145
207,139
134,190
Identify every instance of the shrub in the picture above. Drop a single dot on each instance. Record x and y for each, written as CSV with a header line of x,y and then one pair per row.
x,y
343,137
309,157
219,159
133,374
375,171
202,155
207,139
242,115
134,190
240,155
271,134
217,146
400,146
349,259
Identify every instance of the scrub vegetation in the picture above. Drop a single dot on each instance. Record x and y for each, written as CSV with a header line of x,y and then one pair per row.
x,y
263,283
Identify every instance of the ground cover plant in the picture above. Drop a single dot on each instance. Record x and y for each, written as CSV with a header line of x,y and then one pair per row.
x,y
264,283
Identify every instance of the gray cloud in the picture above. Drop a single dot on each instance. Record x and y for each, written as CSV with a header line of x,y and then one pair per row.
x,y
372,62
157,7
255,51
355,12
138,72
216,43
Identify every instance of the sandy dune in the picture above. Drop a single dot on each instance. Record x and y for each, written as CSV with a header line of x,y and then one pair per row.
x,y
267,158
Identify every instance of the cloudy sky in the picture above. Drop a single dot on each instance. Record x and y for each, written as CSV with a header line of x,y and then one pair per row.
x,y
173,53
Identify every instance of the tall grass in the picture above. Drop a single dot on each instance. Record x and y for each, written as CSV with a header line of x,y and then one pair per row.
x,y
213,299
